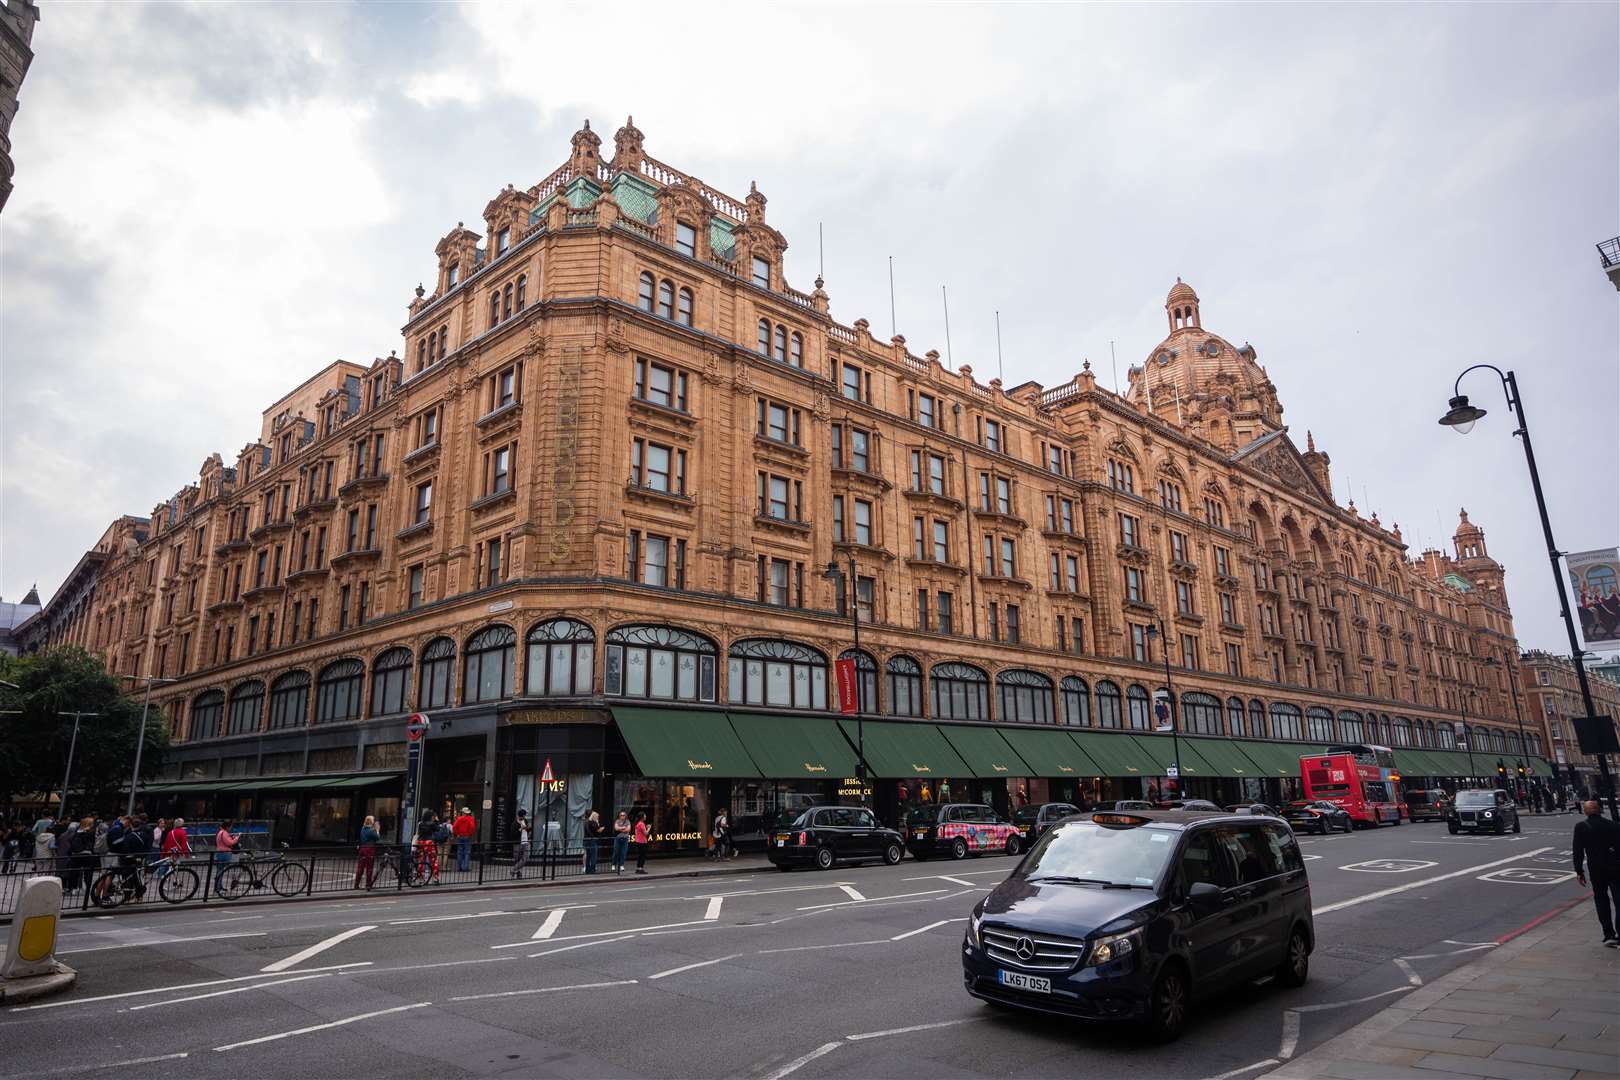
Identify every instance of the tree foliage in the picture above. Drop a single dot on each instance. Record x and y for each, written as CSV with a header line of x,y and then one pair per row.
x,y
34,739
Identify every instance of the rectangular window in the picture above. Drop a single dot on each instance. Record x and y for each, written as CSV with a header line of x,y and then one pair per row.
x,y
253,634
992,436
1012,624
686,239
1228,609
1223,562
343,608
1003,495
942,541
995,622
863,522
354,529
779,497
989,552
838,519
922,609
365,602
781,574
1009,557
1189,652
371,527
1139,645
413,598
1234,659
1184,597
1071,573
1133,584
655,561
657,468
1127,530
424,502
866,599
503,240
1054,459
661,385
851,383
927,411
761,269
1178,547
500,470
946,610
860,450
492,562
777,422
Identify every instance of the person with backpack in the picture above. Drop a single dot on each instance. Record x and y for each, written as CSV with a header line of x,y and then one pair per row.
x,y
525,840
176,845
464,828
721,835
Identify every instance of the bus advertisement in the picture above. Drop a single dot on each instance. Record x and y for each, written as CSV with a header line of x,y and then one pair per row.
x,y
1359,778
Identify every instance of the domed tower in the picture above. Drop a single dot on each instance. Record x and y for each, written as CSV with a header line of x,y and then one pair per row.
x,y
1181,306
1472,558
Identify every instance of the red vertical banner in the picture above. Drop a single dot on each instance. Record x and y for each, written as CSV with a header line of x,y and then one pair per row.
x,y
848,697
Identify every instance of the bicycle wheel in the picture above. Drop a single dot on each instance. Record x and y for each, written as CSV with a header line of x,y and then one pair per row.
x,y
289,879
417,875
233,881
178,885
108,891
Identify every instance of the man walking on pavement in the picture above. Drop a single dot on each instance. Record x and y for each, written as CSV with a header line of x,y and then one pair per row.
x,y
464,827
1597,848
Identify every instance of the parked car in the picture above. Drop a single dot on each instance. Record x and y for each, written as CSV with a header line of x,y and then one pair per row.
x,y
1480,810
1427,804
1259,808
822,836
1317,816
1036,818
1124,804
959,830
1132,916
1194,804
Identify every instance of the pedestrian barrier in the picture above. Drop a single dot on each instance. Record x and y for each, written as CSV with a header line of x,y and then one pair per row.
x,y
107,882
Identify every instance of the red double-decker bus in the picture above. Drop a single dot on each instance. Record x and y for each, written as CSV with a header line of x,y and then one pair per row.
x,y
1360,778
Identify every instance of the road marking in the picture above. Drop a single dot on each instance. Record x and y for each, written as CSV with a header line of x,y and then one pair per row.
x,y
1389,866
1448,941
449,918
424,967
318,947
603,933
852,892
712,912
1411,973
544,990
110,1065
864,900
1516,875
1353,1001
957,881
960,873
799,1062
690,929
1290,1035
223,993
817,948
322,1027
914,1027
693,967
164,989
1453,952
1247,1068
549,926
1381,893
581,945
924,929
160,941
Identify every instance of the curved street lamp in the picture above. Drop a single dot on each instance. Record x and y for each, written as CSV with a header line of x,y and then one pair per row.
x,y
1461,417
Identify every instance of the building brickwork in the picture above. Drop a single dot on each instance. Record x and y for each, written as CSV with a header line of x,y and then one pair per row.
x,y
1552,696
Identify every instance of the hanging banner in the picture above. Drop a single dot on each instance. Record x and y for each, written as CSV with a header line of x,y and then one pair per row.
x,y
1594,577
848,695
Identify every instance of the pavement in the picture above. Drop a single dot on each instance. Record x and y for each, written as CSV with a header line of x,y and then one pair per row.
x,y
1545,1006
744,973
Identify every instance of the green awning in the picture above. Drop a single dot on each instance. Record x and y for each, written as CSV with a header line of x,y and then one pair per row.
x,y
1224,756
899,750
303,782
203,788
1276,759
1116,754
1050,753
685,743
1162,750
1413,762
807,747
985,751
364,781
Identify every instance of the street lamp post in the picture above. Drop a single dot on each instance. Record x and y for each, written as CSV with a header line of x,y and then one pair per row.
x,y
1513,688
1468,739
140,742
73,744
1170,700
1462,416
851,596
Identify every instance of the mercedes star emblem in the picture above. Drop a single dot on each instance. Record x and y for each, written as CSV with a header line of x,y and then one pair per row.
x,y
1025,948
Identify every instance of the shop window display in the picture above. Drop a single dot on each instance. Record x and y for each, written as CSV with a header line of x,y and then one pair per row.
x,y
678,813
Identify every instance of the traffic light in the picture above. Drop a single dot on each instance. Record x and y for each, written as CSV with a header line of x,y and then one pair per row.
x,y
1501,771
1521,770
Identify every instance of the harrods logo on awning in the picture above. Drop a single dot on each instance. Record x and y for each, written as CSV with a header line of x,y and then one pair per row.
x,y
814,768
920,768
695,765
1065,768
998,768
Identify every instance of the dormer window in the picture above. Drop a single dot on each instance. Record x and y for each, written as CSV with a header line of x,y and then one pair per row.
x,y
686,239
454,277
762,272
503,240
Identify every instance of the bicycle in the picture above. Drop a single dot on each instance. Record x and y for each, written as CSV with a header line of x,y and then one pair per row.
x,y
412,872
175,884
284,877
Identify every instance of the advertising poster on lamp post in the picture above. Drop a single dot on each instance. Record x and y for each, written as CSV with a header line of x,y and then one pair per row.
x,y
1594,578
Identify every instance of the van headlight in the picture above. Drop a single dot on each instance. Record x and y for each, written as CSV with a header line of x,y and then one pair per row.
x,y
1105,950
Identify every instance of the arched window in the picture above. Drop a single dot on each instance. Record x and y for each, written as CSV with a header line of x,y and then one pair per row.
x,y
1024,697
562,658
769,671
1257,719
796,350
764,338
1076,702
337,691
865,679
1286,722
390,682
494,309
666,299
247,707
961,692
207,710
904,677
438,672
1234,717
645,299
1319,725
506,302
658,662
523,284
289,701
1403,732
1352,729
1138,709
486,670
1200,713
1108,715
781,344
683,307
1445,737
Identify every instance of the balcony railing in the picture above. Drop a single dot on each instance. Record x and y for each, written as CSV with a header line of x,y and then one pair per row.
x,y
1609,252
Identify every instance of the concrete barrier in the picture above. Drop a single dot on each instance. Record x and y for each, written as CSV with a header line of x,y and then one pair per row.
x,y
30,968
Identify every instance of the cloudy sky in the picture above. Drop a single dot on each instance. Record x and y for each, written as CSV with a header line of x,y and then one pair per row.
x,y
213,201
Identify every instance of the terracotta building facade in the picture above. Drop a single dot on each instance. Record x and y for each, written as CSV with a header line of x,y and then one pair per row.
x,y
584,515
1552,696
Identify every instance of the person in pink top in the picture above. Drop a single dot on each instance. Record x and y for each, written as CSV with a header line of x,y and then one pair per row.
x,y
641,839
226,843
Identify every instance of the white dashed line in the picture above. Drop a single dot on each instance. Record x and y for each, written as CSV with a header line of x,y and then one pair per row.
x,y
712,912
693,967
549,926
318,947
852,892
223,993
544,990
322,1027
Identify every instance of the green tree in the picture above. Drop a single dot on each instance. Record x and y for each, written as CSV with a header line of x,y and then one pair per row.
x,y
34,736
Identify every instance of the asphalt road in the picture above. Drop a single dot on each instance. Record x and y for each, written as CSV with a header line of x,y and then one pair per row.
x,y
764,975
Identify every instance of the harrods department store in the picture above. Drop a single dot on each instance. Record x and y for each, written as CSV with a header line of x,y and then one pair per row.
x,y
586,517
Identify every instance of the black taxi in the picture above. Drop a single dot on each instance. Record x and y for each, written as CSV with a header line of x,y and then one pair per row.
x,y
824,835
1132,916
1036,818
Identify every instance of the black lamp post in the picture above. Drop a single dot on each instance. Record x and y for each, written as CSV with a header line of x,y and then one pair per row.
x,y
1170,700
1513,687
1462,417
1468,737
835,574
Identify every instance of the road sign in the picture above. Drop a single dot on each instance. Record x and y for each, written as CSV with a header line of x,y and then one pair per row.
x,y
416,726
546,776
1170,771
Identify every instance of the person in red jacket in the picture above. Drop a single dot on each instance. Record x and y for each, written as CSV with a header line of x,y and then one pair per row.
x,y
464,827
176,846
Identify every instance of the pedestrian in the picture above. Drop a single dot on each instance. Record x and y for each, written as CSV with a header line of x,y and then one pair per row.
x,y
367,863
8,849
621,841
641,838
427,844
593,836
525,840
226,843
1596,850
464,827
721,835
176,845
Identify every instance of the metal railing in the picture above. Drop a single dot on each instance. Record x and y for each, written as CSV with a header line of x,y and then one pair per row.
x,y
318,871
1609,252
